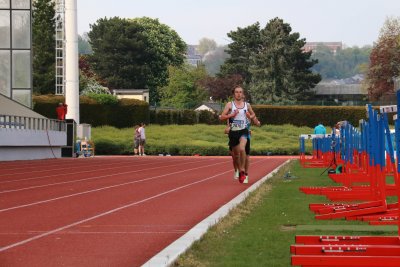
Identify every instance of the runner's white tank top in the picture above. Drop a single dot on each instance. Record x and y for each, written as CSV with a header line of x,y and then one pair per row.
x,y
239,122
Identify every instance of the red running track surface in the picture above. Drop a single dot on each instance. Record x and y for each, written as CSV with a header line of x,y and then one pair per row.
x,y
110,211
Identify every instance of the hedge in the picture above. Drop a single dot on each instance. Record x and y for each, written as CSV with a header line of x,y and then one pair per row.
x,y
124,113
308,115
128,112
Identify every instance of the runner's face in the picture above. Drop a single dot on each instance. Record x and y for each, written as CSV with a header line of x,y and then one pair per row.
x,y
238,93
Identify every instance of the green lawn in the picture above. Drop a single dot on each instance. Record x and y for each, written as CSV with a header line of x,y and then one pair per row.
x,y
197,139
259,232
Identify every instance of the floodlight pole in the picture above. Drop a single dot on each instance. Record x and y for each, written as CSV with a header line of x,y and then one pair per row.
x,y
71,60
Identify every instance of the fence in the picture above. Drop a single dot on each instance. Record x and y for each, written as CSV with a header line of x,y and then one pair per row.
x,y
29,123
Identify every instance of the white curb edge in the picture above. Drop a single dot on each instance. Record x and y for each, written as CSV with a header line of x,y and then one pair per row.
x,y
169,254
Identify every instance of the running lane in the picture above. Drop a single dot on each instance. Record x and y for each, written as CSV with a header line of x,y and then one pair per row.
x,y
109,216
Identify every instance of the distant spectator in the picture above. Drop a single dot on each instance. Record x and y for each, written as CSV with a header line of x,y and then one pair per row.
x,y
61,111
319,129
136,140
142,141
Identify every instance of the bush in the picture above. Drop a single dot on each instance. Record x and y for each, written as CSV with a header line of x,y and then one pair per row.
x,y
104,99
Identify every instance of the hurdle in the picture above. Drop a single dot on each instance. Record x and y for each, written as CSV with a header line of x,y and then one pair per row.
x,y
365,251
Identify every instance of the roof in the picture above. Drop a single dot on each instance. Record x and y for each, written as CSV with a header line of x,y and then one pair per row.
x,y
339,89
130,91
210,106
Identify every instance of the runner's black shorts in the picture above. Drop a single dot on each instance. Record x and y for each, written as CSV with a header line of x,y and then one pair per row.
x,y
247,148
234,136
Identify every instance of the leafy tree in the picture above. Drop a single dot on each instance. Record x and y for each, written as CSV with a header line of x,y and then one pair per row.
x,y
90,82
280,70
344,64
43,46
134,53
83,44
385,60
206,45
213,60
220,88
184,89
245,42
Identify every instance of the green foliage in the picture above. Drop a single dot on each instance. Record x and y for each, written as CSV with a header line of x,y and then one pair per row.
x,y
214,59
43,42
207,117
344,64
184,90
271,62
308,115
206,45
134,53
125,113
280,69
245,42
83,45
104,99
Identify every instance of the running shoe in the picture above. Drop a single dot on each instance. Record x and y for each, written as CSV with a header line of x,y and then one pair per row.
x,y
242,176
236,175
246,180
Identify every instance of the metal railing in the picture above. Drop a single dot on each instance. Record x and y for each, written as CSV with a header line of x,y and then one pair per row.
x,y
29,123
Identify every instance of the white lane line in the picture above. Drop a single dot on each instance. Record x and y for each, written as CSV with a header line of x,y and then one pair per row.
x,y
108,212
168,255
88,179
85,171
104,188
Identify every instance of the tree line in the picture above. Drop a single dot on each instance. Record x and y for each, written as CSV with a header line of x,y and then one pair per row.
x,y
269,61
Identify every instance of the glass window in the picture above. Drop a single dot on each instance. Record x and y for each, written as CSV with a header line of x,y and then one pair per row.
x,y
5,83
4,28
21,36
4,3
23,97
21,69
20,4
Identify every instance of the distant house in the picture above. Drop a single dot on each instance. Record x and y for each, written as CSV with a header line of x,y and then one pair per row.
x,y
339,92
140,94
210,106
192,57
333,46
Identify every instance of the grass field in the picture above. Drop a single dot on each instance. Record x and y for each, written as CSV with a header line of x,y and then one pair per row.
x,y
198,139
259,231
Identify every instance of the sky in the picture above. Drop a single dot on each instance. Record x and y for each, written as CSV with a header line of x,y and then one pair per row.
x,y
352,22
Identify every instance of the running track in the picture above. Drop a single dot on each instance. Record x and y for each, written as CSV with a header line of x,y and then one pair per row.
x,y
109,211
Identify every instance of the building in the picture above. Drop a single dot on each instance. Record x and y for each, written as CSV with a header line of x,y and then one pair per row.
x,y
340,93
140,94
333,46
210,106
192,57
24,134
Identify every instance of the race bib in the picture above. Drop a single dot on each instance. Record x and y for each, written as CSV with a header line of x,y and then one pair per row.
x,y
237,125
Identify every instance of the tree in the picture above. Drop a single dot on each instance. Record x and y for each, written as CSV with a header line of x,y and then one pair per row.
x,y
184,89
206,45
220,88
83,44
245,42
43,46
134,53
385,60
344,64
213,60
280,70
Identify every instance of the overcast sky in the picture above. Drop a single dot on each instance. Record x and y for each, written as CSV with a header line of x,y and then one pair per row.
x,y
353,22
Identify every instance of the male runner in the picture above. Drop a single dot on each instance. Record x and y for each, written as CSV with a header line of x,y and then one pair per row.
x,y
238,112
